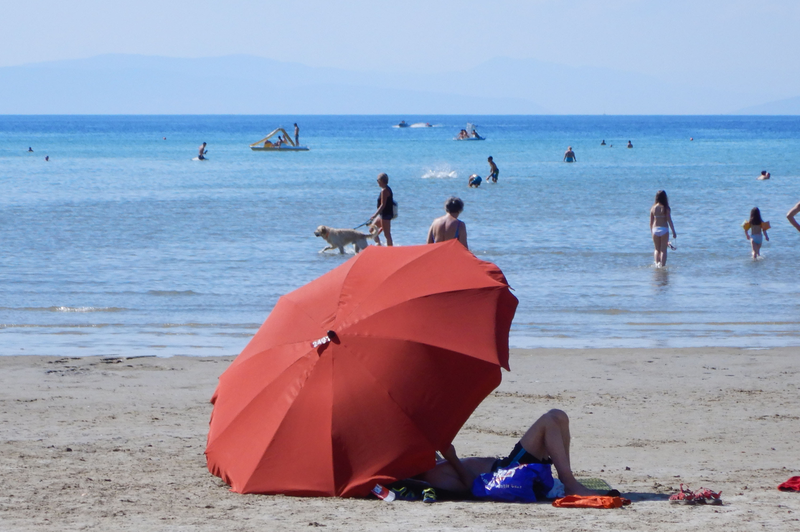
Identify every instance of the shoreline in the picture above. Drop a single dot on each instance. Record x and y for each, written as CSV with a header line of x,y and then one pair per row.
x,y
117,443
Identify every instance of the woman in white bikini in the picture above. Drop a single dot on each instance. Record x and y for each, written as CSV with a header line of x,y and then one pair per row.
x,y
660,224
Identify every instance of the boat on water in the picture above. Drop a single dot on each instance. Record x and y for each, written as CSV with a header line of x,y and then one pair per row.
x,y
469,134
284,143
402,123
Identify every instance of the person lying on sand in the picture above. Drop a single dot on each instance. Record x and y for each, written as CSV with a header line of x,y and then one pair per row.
x,y
545,442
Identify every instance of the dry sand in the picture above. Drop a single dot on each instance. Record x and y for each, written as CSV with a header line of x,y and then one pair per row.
x,y
117,444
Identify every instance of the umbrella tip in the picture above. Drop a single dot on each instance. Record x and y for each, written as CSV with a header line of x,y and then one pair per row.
x,y
333,337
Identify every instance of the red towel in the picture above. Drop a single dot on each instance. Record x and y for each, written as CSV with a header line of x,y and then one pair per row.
x,y
590,501
793,484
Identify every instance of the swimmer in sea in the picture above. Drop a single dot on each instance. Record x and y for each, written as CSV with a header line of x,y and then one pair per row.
x,y
203,152
569,156
493,171
630,145
603,143
764,175
46,157
474,181
30,149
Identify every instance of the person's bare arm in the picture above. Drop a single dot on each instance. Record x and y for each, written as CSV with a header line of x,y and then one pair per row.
x,y
746,234
791,214
765,234
430,234
669,219
652,220
462,235
465,476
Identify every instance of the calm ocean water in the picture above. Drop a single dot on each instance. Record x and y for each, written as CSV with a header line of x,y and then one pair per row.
x,y
121,244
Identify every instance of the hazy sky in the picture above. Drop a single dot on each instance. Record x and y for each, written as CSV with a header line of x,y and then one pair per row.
x,y
709,41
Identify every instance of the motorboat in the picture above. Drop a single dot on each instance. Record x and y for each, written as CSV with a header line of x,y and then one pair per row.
x,y
286,145
469,134
402,123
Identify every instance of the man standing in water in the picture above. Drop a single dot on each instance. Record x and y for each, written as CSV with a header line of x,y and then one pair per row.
x,y
493,171
791,214
569,156
202,153
449,227
296,135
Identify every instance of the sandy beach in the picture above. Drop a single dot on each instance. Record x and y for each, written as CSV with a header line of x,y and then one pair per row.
x,y
117,444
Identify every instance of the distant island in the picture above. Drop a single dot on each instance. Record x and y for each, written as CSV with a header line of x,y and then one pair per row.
x,y
243,84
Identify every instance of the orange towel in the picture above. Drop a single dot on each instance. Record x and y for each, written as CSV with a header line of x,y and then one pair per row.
x,y
590,501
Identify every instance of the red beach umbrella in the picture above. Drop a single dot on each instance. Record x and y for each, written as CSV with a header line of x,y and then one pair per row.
x,y
359,376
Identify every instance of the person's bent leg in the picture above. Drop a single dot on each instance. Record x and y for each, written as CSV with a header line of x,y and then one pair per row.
x,y
549,437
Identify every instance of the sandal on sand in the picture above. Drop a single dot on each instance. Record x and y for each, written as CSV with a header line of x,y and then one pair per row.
x,y
706,496
685,496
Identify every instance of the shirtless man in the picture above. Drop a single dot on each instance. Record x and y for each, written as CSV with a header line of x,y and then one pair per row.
x,y
764,175
545,442
449,227
493,171
569,156
296,135
791,214
203,152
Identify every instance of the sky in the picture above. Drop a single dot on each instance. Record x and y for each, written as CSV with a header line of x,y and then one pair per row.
x,y
700,41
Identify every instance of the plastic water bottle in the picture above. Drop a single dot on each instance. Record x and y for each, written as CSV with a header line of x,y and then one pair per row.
x,y
383,493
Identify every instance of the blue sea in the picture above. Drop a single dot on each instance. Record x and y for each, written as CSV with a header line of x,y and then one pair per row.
x,y
121,244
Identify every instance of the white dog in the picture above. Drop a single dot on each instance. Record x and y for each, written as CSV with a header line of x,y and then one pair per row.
x,y
338,238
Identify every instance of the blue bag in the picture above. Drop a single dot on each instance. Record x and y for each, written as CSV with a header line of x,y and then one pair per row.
x,y
523,483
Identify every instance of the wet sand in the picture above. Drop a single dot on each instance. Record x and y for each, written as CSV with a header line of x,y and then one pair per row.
x,y
117,444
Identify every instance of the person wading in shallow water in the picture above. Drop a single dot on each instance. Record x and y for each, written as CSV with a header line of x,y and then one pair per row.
x,y
449,227
660,224
383,216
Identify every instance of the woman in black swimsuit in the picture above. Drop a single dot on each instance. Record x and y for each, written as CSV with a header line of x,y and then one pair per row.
x,y
383,216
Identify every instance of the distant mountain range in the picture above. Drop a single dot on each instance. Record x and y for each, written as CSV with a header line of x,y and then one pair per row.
x,y
241,84
790,106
